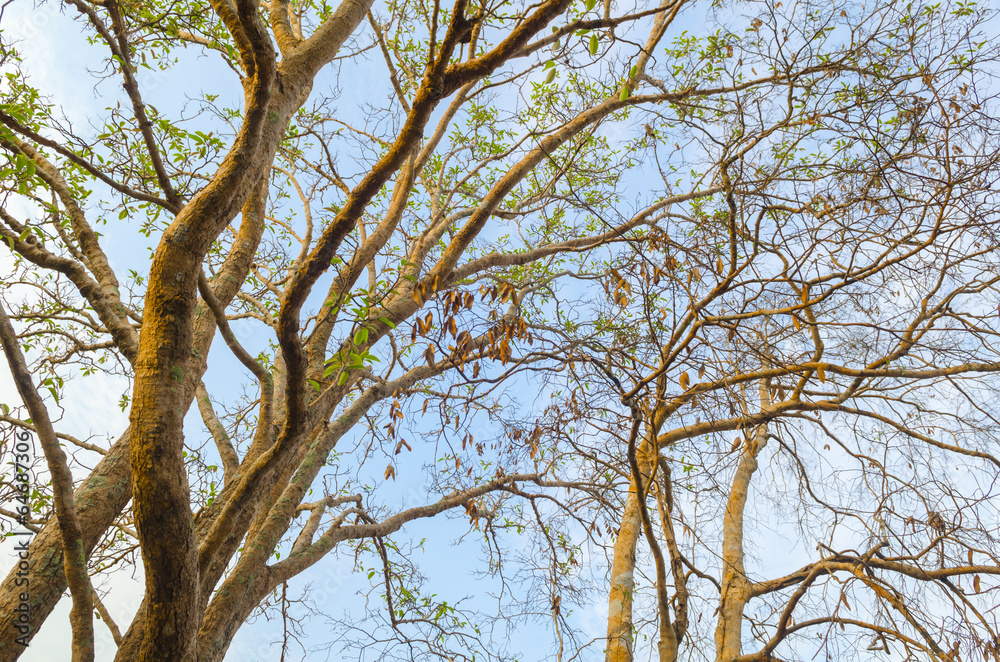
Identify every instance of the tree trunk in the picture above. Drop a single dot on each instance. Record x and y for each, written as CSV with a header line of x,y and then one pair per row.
x,y
108,489
99,501
621,593
735,584
623,582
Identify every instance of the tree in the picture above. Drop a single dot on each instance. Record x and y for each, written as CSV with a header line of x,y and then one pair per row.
x,y
418,256
833,306
408,218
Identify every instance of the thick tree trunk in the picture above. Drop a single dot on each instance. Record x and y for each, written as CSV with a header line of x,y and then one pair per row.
x,y
621,593
619,647
81,616
108,489
99,500
735,584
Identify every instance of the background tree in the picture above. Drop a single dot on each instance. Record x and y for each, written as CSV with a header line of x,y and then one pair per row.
x,y
833,306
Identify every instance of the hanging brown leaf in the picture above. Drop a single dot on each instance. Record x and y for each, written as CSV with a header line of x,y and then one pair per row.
x,y
821,373
401,445
685,380
843,598
390,472
976,585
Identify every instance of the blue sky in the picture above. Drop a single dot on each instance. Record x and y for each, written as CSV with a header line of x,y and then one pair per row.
x,y
57,56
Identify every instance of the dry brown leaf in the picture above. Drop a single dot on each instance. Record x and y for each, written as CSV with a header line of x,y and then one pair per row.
x,y
843,598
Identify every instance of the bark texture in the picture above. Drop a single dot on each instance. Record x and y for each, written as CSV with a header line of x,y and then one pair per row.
x,y
75,568
736,587
106,492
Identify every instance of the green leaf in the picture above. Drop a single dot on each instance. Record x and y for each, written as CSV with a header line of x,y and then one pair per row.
x,y
385,320
593,44
342,380
633,71
361,337
550,64
590,4
551,77
624,93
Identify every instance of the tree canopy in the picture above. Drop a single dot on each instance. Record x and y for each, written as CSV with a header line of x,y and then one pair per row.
x,y
672,329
